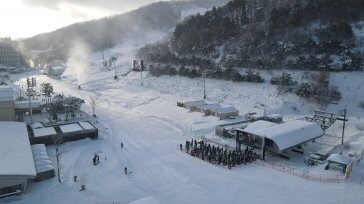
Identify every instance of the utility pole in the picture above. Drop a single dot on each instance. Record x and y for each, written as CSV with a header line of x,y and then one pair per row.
x,y
204,88
343,132
30,84
204,84
141,72
141,77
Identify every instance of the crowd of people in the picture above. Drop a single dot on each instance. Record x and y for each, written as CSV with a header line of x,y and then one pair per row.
x,y
219,155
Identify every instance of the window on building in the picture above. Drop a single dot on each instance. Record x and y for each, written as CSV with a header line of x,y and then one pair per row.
x,y
10,189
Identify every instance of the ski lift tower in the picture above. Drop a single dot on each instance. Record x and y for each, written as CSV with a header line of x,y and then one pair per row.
x,y
343,118
326,120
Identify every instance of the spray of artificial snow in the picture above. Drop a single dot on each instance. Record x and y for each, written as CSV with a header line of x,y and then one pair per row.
x,y
78,62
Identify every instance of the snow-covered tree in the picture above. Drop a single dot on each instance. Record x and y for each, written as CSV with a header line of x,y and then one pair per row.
x,y
47,90
61,104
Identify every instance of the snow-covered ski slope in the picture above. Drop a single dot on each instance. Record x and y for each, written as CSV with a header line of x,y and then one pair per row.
x,y
150,125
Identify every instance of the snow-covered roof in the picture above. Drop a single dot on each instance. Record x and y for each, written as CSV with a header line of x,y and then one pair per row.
x,y
40,153
70,128
86,125
6,93
16,156
45,168
292,133
36,125
286,135
338,158
41,160
275,116
40,132
257,126
210,106
230,109
195,103
38,146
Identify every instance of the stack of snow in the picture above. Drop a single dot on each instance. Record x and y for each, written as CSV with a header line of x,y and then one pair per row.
x,y
70,128
42,132
37,125
43,165
86,125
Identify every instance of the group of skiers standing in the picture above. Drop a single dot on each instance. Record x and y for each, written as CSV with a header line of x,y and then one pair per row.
x,y
219,155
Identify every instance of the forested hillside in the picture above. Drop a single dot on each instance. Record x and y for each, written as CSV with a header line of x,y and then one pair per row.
x,y
109,31
264,34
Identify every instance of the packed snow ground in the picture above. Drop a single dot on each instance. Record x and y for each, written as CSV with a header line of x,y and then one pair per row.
x,y
150,125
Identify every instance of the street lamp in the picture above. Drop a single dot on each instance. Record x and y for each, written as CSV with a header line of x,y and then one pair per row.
x,y
343,113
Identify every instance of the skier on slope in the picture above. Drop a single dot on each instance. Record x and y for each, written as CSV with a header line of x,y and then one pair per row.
x,y
125,170
94,160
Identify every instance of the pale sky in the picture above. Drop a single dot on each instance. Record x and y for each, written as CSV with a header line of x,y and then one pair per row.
x,y
26,18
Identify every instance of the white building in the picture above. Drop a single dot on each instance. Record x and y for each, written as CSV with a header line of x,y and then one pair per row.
x,y
7,108
277,138
226,112
16,158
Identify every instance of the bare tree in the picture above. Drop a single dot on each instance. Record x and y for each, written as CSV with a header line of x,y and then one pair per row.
x,y
94,101
58,140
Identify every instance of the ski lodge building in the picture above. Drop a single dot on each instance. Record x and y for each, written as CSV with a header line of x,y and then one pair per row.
x,y
277,138
216,109
23,154
12,110
16,158
7,107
